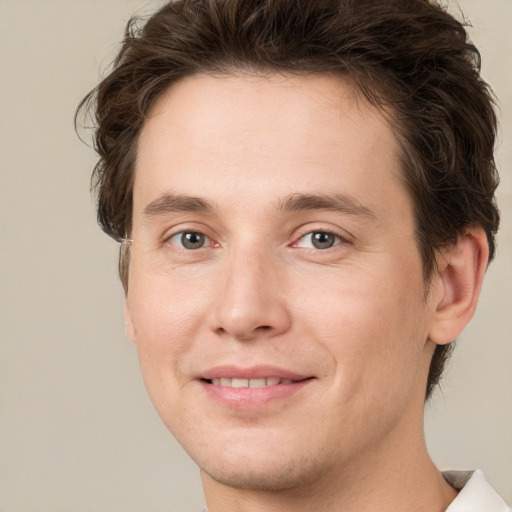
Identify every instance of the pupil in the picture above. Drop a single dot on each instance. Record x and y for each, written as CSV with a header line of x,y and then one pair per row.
x,y
192,240
323,240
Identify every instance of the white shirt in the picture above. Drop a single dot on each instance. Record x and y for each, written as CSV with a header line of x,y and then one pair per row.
x,y
475,493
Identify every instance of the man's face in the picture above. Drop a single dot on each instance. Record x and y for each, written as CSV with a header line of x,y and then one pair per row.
x,y
274,250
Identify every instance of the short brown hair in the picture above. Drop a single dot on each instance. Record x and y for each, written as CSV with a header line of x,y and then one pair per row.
x,y
410,56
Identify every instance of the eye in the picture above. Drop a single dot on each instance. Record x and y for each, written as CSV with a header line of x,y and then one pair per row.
x,y
190,240
318,240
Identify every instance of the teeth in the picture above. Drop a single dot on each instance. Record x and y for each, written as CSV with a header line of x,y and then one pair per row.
x,y
257,383
240,383
250,383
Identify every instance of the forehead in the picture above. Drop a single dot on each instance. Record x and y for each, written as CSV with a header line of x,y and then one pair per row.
x,y
278,133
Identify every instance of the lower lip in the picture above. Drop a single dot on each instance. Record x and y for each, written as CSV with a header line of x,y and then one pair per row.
x,y
252,398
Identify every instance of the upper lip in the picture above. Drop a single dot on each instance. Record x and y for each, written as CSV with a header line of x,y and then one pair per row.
x,y
253,372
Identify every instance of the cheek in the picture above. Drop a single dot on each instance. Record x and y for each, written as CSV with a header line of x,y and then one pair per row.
x,y
164,326
372,325
161,306
165,318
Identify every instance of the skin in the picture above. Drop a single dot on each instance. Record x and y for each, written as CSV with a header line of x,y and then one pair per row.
x,y
351,319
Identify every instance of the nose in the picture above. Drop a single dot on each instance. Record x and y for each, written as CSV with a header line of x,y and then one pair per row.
x,y
251,302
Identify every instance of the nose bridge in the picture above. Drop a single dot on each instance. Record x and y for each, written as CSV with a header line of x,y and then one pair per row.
x,y
250,303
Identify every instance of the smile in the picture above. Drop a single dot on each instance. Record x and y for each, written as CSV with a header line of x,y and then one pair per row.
x,y
249,383
252,388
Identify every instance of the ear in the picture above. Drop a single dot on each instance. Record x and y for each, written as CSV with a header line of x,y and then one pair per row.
x,y
128,321
458,284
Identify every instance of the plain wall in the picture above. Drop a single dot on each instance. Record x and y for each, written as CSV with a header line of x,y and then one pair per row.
x,y
77,431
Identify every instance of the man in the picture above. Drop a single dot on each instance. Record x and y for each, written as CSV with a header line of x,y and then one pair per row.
x,y
304,193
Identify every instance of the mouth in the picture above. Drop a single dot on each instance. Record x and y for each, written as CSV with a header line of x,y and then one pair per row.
x,y
249,383
252,388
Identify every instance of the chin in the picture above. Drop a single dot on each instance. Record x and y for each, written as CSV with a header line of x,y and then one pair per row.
x,y
274,479
262,472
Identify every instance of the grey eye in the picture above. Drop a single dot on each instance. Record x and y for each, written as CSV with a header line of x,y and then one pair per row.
x,y
189,240
323,240
319,240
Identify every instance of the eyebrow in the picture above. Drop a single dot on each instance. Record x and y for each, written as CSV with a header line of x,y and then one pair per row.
x,y
335,202
170,203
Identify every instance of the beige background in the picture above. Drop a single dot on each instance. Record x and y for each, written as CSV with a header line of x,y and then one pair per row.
x,y
77,432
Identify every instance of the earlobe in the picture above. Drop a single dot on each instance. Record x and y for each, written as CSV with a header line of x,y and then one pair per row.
x,y
459,280
128,322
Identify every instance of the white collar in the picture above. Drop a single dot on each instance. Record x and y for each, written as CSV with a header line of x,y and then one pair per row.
x,y
475,493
